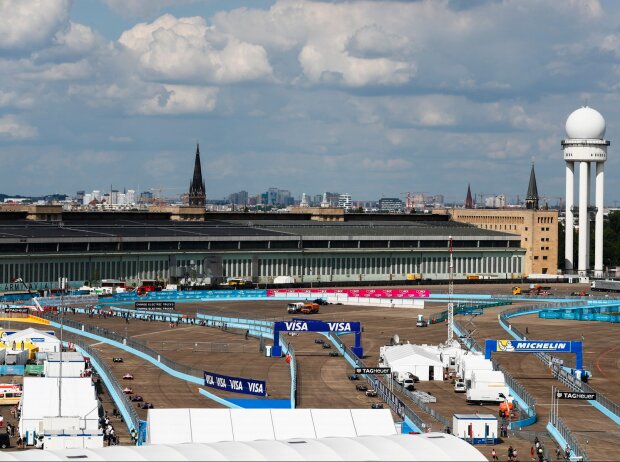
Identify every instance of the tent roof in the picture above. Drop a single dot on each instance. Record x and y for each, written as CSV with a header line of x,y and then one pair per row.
x,y
427,447
175,426
28,333
40,397
409,354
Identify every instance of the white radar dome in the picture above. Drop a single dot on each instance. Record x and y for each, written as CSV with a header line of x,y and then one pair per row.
x,y
585,123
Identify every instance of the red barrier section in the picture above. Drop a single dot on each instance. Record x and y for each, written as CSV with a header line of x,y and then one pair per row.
x,y
373,293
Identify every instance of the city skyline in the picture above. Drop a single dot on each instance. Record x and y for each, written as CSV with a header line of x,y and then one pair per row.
x,y
361,97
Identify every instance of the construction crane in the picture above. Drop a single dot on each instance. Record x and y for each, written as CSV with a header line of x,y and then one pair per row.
x,y
158,200
411,196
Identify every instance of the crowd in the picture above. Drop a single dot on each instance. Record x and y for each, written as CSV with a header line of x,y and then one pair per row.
x,y
537,453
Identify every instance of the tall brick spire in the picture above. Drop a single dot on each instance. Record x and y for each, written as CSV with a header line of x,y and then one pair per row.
x,y
469,202
197,194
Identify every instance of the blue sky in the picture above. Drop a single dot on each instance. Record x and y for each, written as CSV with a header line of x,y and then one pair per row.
x,y
373,98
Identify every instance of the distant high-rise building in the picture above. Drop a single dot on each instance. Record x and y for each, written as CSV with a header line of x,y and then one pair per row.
x,y
239,198
197,192
114,197
390,204
469,202
532,199
345,201
79,196
131,196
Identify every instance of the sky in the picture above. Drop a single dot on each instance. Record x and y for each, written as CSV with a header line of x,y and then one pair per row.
x,y
373,98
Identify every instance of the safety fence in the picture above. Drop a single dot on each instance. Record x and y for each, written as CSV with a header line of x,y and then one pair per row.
x,y
419,403
559,426
472,307
120,398
552,362
68,300
238,325
204,347
388,396
12,370
186,295
292,359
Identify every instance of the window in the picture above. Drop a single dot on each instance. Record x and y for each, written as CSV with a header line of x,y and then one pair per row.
x,y
536,257
544,257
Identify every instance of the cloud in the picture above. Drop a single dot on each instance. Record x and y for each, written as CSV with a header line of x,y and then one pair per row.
x,y
141,8
13,128
181,50
180,99
25,24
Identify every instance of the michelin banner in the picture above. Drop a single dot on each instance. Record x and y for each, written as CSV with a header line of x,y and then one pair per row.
x,y
235,384
533,346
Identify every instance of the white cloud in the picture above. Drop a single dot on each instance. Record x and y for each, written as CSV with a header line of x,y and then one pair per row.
x,y
141,8
180,49
13,128
180,99
28,23
14,99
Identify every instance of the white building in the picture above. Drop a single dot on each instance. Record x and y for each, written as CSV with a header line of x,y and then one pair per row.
x,y
413,359
40,403
44,341
345,201
73,364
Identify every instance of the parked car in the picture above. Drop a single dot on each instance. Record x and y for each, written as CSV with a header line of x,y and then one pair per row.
x,y
136,398
117,360
354,377
319,340
371,393
376,406
333,353
361,387
320,301
326,345
459,387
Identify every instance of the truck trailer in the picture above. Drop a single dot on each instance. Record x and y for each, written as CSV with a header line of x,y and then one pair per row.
x,y
608,285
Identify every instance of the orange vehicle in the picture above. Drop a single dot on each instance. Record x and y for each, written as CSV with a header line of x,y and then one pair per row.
x,y
310,308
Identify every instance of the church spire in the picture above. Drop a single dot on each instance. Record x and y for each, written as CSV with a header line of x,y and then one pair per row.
x,y
532,199
469,202
197,195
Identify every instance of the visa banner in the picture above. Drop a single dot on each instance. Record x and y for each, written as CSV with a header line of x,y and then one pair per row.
x,y
534,346
235,384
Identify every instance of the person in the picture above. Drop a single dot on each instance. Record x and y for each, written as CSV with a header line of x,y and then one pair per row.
x,y
541,454
567,452
494,455
19,442
527,331
514,454
558,453
533,453
247,333
510,453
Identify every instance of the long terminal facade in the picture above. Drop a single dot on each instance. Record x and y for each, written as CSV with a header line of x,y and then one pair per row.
x,y
86,246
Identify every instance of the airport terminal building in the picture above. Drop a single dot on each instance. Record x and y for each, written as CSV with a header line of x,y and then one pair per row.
x,y
42,246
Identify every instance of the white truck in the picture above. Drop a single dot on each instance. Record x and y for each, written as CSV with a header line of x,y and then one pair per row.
x,y
470,364
608,285
487,386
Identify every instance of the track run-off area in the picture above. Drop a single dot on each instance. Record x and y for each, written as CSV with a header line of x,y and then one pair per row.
x,y
322,380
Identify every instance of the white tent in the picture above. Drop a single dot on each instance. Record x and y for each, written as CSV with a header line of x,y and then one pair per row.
x,y
426,447
414,359
43,340
40,400
73,364
175,426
